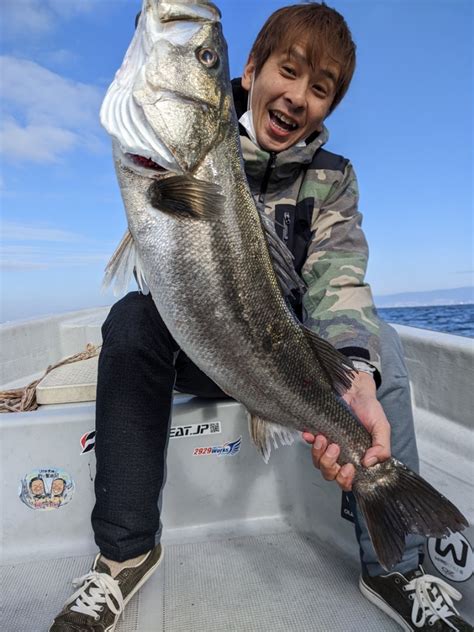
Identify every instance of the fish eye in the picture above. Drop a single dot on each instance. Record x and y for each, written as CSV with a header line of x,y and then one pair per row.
x,y
207,57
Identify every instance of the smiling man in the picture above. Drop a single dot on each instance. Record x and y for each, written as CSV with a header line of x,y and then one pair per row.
x,y
290,97
298,71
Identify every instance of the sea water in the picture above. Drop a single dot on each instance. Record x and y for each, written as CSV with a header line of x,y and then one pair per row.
x,y
450,319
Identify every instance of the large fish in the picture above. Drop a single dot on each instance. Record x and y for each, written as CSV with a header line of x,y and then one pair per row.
x,y
217,272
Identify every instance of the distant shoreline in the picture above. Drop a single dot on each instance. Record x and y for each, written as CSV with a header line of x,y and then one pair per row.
x,y
427,298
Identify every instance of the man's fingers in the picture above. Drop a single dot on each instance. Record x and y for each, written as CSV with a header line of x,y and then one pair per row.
x,y
380,449
325,459
345,477
319,446
328,461
375,454
308,437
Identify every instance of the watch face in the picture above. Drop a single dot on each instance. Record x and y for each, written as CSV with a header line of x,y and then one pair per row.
x,y
363,366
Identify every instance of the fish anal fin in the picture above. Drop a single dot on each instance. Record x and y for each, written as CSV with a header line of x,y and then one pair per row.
x,y
338,368
264,433
186,196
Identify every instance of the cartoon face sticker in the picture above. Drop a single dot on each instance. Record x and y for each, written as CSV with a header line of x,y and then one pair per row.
x,y
46,488
58,486
37,487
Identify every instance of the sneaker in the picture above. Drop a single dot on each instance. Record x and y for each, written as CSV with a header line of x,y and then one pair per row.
x,y
101,598
416,601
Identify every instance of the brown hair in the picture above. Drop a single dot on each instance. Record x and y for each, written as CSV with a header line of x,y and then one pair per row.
x,y
321,29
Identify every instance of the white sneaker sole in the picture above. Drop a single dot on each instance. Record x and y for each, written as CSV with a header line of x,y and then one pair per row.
x,y
377,600
137,587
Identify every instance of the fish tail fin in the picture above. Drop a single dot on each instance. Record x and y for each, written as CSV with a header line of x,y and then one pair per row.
x,y
124,264
398,502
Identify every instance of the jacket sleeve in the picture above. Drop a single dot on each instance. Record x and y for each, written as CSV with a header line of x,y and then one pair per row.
x,y
338,303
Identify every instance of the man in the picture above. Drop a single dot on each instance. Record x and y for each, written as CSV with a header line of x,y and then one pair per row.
x,y
298,71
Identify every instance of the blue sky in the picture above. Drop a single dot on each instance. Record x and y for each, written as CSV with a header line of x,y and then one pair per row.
x,y
406,124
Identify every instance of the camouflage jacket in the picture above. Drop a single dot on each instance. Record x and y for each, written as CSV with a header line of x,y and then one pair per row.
x,y
312,196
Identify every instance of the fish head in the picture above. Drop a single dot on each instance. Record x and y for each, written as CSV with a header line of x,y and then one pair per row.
x,y
170,101
183,96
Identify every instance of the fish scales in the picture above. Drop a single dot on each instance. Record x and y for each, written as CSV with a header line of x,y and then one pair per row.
x,y
196,238
222,273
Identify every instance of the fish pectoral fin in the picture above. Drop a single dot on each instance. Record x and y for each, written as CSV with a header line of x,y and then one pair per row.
x,y
263,433
338,368
125,263
186,196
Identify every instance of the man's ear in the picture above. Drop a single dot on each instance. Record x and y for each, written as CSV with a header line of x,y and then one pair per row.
x,y
248,74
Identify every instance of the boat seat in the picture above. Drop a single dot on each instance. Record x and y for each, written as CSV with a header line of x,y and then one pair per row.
x,y
69,383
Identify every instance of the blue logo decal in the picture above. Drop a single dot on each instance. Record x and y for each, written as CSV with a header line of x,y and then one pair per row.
x,y
228,449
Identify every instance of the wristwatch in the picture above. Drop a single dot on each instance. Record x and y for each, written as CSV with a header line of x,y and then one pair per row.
x,y
363,367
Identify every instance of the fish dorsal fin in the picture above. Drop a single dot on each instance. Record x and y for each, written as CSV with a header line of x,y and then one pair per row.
x,y
338,368
187,196
124,264
289,280
264,433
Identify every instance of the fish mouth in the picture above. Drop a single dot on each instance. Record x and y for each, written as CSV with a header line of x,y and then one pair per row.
x,y
145,163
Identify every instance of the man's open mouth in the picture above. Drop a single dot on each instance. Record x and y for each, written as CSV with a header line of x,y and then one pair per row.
x,y
282,121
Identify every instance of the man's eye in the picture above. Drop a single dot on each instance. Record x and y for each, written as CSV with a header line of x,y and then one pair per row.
x,y
289,70
320,90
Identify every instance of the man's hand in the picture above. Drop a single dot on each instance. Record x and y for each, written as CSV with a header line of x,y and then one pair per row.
x,y
362,399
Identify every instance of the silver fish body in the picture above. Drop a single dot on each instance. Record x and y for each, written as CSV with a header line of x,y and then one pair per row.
x,y
209,268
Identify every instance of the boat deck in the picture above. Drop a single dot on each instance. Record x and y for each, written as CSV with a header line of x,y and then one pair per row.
x,y
248,546
283,582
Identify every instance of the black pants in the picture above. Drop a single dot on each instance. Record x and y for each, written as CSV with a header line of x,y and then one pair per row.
x,y
139,365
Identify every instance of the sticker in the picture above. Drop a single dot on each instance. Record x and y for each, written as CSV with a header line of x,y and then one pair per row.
x,y
193,430
347,507
452,556
88,442
46,488
228,449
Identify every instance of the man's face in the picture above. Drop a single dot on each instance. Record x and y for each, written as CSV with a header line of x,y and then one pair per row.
x,y
290,100
57,487
37,487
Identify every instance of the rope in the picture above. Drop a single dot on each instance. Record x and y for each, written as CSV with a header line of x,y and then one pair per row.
x,y
23,399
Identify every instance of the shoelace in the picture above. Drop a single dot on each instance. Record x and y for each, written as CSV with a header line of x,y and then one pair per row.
x,y
432,597
101,588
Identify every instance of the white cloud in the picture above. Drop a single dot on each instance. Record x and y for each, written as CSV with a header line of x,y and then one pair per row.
x,y
41,257
60,57
17,261
40,17
32,16
72,8
27,232
45,247
46,115
46,96
34,143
